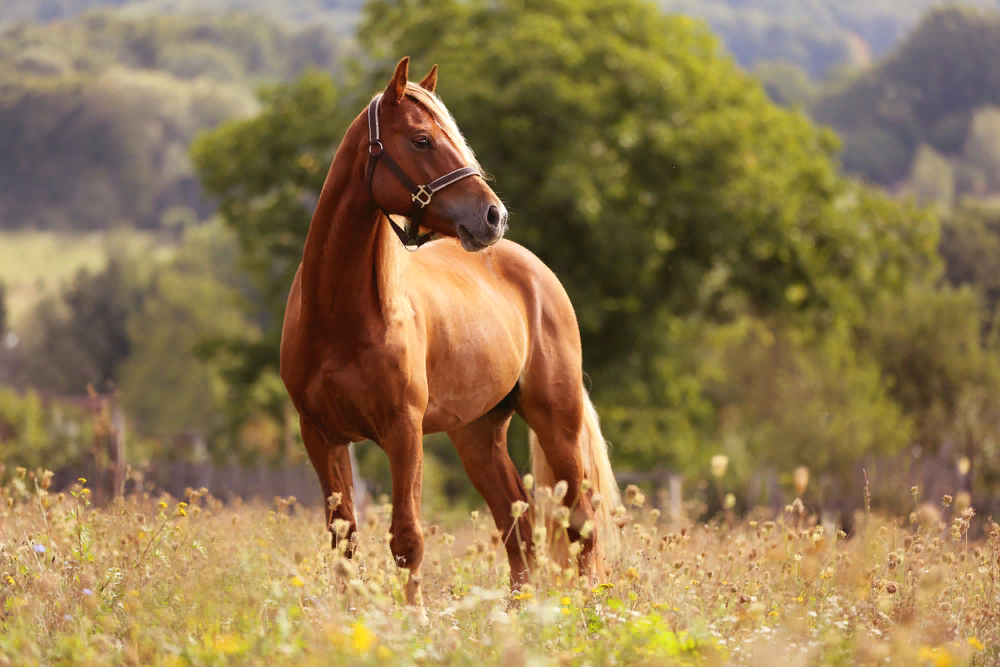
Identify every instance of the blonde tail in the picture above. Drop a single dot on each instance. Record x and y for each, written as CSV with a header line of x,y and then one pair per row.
x,y
597,470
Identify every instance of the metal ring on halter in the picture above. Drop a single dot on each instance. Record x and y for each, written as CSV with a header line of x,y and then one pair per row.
x,y
372,145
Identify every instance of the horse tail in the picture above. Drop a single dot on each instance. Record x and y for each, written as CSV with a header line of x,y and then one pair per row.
x,y
597,470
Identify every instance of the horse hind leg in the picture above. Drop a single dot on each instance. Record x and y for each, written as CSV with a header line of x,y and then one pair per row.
x,y
567,445
482,446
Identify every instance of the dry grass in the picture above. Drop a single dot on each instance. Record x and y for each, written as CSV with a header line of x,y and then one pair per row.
x,y
154,581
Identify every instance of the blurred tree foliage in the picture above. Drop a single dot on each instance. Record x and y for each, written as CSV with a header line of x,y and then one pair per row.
x,y
694,223
36,433
79,338
195,295
937,88
96,114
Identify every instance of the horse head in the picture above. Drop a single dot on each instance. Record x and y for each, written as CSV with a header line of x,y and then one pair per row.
x,y
415,137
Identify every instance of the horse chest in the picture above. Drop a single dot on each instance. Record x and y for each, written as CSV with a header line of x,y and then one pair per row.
x,y
355,398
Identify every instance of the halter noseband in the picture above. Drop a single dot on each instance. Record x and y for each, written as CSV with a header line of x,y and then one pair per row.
x,y
420,194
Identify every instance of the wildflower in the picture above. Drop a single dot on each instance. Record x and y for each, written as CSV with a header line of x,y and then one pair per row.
x,y
39,548
518,508
474,515
587,529
340,527
634,496
560,490
382,653
87,591
180,511
632,573
162,505
595,500
8,580
345,568
496,537
298,583
730,502
529,481
976,644
82,480
964,466
67,617
801,479
585,486
333,502
720,462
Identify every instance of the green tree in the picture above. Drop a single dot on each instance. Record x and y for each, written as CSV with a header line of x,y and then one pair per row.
x,y
642,165
165,384
80,338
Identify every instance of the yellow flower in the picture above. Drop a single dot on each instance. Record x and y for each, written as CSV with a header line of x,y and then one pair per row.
x,y
976,644
382,653
298,583
526,595
938,657
361,637
10,580
163,505
134,593
181,512
228,644
566,600
82,480
565,611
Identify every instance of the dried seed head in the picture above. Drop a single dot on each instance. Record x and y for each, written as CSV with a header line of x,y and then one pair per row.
x,y
720,462
801,479
518,508
340,527
559,490
333,502
496,537
529,481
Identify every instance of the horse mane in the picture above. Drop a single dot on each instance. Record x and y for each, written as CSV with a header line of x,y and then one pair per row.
x,y
433,104
390,259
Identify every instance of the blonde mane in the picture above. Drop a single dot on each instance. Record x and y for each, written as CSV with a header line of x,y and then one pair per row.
x,y
391,258
433,104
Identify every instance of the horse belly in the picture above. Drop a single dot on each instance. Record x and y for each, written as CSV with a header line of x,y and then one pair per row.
x,y
470,370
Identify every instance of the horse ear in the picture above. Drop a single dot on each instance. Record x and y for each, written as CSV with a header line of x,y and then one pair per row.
x,y
430,81
397,87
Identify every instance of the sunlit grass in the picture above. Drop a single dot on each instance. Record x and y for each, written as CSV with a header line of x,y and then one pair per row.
x,y
158,581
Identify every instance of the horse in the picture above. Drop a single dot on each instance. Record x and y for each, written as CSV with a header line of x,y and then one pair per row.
x,y
384,344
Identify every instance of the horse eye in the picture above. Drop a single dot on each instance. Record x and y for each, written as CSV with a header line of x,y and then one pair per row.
x,y
421,142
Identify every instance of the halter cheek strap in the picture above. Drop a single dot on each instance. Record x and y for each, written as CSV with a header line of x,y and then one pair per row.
x,y
421,195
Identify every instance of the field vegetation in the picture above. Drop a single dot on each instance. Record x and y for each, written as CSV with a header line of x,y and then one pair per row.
x,y
155,580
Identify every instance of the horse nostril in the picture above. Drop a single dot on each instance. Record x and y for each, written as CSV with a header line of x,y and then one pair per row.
x,y
493,217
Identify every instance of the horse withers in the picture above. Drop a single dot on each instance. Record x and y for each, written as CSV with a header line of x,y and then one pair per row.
x,y
386,345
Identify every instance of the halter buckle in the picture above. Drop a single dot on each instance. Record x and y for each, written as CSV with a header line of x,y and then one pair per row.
x,y
375,148
422,196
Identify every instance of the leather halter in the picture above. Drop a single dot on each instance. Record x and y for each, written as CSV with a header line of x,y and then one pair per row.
x,y
420,194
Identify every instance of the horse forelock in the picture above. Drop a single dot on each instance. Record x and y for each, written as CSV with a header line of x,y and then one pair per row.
x,y
436,108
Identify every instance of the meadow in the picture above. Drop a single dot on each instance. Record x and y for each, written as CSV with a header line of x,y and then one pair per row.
x,y
155,580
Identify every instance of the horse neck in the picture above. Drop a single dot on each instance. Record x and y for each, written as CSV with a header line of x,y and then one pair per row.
x,y
351,262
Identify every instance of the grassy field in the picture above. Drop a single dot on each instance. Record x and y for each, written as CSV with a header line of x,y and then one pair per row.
x,y
155,581
34,264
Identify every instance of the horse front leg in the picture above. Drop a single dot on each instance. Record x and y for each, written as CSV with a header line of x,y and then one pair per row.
x,y
332,461
404,446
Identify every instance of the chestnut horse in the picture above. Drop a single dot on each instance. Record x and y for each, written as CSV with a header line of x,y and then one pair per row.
x,y
387,345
